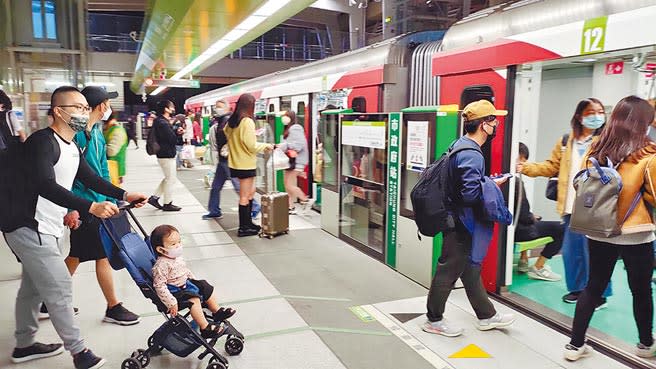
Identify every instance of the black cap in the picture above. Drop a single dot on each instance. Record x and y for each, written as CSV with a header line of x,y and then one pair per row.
x,y
96,95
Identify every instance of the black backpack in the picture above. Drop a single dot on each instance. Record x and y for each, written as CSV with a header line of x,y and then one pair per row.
x,y
152,146
430,194
13,182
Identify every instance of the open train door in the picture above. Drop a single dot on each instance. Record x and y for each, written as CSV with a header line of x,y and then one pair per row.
x,y
301,105
490,85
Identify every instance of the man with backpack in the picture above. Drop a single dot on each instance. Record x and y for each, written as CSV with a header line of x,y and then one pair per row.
x,y
31,223
463,197
218,140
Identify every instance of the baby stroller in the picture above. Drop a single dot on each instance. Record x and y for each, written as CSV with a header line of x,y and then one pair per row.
x,y
179,334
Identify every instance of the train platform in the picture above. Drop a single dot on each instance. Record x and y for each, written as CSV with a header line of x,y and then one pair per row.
x,y
304,301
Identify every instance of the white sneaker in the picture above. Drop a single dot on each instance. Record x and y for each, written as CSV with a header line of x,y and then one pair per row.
x,y
544,274
307,205
573,353
522,266
645,351
497,321
441,327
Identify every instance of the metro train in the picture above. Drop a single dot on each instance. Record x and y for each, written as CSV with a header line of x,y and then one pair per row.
x,y
534,58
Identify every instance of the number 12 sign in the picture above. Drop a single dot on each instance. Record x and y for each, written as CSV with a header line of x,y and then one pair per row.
x,y
594,35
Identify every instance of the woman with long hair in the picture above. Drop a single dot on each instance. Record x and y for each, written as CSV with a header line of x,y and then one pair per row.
x,y
566,160
624,141
295,145
242,159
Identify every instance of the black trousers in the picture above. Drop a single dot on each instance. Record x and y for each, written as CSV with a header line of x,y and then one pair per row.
x,y
454,263
556,231
638,260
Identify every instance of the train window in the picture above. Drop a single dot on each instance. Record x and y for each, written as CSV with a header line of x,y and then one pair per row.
x,y
475,93
271,108
300,113
359,104
285,103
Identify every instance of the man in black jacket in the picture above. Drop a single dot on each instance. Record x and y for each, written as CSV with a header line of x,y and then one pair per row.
x,y
167,138
52,163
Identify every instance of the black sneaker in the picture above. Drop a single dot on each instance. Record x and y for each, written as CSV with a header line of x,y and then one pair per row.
x,y
571,297
255,227
87,360
36,351
121,316
43,312
247,232
154,201
171,207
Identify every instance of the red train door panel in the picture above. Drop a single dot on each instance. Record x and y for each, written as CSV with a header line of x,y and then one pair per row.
x,y
458,89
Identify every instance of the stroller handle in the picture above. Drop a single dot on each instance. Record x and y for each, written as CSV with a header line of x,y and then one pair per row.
x,y
124,205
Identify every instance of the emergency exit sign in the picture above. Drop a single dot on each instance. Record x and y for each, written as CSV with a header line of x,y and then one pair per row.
x,y
615,68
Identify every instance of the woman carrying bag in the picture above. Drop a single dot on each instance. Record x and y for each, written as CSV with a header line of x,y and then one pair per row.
x,y
295,146
587,124
624,141
242,159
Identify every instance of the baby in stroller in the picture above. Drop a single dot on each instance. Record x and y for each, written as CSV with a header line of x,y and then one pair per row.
x,y
175,284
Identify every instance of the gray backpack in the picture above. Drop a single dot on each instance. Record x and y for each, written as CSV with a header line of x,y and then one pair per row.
x,y
595,206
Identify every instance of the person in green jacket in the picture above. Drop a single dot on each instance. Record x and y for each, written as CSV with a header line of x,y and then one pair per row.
x,y
117,143
85,238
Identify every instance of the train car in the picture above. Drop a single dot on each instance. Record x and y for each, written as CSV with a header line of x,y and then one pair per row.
x,y
372,79
538,59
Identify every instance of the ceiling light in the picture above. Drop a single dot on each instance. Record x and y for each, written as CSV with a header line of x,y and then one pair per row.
x,y
157,90
589,60
260,15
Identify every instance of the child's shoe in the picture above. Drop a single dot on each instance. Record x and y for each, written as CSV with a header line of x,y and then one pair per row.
x,y
223,314
212,331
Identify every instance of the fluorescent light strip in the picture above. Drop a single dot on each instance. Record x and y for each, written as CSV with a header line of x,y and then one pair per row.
x,y
157,90
260,15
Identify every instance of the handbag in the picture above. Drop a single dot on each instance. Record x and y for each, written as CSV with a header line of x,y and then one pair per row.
x,y
551,192
280,160
291,154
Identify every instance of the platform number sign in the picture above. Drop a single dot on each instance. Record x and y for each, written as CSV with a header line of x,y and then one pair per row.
x,y
594,35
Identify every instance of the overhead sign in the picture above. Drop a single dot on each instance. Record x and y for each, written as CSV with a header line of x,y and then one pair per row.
x,y
615,68
364,134
593,39
650,67
417,146
182,83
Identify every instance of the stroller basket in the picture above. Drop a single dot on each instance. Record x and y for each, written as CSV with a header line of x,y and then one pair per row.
x,y
176,337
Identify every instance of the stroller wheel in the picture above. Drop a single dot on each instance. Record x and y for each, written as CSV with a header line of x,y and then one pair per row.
x,y
234,345
130,363
216,365
151,345
143,358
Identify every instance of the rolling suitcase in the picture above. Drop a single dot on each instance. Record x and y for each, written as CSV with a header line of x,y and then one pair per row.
x,y
275,213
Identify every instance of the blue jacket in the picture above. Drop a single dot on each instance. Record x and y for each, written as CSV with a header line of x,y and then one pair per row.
x,y
466,196
95,153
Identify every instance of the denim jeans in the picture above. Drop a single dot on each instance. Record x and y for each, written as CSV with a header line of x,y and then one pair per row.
x,y
221,175
576,259
178,159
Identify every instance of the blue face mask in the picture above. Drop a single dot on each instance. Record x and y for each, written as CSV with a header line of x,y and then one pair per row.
x,y
593,121
651,133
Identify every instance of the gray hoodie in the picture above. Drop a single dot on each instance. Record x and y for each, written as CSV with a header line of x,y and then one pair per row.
x,y
296,141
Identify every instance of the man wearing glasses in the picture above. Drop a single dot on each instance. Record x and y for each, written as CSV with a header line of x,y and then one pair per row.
x,y
466,171
52,163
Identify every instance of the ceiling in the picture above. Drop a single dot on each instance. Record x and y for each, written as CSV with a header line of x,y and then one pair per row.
x,y
176,32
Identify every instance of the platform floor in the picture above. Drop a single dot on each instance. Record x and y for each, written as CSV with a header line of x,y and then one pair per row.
x,y
305,301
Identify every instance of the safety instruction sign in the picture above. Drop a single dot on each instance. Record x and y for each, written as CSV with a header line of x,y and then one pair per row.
x,y
417,145
364,134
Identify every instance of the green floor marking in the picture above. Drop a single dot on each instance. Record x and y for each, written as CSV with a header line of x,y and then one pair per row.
x,y
351,331
317,298
362,314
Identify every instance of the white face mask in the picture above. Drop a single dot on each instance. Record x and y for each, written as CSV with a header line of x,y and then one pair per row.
x,y
286,120
107,114
174,252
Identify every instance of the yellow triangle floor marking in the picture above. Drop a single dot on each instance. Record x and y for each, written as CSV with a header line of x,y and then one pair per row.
x,y
471,352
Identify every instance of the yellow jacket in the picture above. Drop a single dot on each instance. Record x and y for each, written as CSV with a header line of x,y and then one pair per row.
x,y
558,164
242,146
638,172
